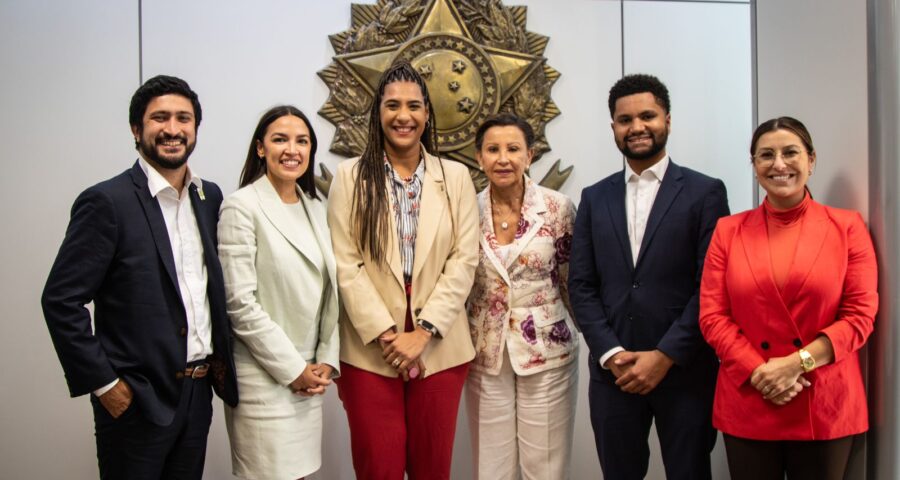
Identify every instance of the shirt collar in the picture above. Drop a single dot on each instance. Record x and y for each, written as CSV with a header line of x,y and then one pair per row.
x,y
157,183
658,170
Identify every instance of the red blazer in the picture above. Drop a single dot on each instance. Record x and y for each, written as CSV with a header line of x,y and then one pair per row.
x,y
831,290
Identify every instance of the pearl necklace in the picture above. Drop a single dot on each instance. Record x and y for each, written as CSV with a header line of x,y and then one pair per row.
x,y
504,224
503,221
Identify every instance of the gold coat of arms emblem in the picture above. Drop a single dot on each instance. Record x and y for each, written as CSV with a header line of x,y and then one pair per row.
x,y
476,57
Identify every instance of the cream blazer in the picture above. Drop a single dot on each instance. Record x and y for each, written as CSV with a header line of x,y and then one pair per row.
x,y
374,297
271,274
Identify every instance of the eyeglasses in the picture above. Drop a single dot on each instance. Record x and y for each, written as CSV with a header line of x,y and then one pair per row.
x,y
766,158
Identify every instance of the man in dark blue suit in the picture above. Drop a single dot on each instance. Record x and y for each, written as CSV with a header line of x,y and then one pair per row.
x,y
142,247
637,257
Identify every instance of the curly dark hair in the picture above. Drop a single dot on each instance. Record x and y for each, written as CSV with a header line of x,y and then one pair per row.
x,y
638,83
156,87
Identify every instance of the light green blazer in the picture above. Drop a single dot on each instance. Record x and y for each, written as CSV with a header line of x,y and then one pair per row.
x,y
272,281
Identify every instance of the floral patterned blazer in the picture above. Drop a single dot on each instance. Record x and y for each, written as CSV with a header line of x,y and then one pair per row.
x,y
523,303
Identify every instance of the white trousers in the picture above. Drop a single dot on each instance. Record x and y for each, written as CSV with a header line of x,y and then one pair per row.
x,y
522,424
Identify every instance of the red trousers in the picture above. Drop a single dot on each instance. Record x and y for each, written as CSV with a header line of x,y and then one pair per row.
x,y
398,426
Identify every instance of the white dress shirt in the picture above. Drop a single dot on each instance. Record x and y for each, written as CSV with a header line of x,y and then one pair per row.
x,y
187,251
640,193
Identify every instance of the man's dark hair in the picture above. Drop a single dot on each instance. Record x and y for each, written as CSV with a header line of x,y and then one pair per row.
x,y
156,87
638,83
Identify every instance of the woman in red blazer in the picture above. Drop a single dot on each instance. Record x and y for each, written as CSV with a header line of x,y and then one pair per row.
x,y
788,297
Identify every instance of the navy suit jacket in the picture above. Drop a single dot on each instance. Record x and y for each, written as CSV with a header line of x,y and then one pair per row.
x,y
652,304
117,253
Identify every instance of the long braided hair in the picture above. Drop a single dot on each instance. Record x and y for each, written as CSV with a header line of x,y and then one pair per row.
x,y
370,209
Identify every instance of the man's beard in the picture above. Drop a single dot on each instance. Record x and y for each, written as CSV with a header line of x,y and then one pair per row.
x,y
658,144
151,151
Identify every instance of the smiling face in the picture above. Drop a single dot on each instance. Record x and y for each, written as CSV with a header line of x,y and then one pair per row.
x,y
783,166
641,127
504,156
285,148
168,132
403,117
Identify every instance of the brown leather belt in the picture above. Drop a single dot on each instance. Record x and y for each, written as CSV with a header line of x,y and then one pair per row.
x,y
196,372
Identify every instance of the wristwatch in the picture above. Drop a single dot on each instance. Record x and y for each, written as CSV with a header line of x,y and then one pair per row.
x,y
428,327
807,362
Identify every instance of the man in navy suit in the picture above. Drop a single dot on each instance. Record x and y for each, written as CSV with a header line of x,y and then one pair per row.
x,y
637,257
142,247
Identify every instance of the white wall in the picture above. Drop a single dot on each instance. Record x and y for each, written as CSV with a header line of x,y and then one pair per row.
x,y
70,69
812,66
68,72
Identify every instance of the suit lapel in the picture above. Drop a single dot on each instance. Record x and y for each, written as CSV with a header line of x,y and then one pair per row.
x,y
813,233
393,244
317,219
323,238
533,209
206,225
671,186
615,204
488,241
431,213
157,223
277,214
755,240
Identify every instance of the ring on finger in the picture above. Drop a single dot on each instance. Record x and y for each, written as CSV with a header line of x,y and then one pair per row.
x,y
396,363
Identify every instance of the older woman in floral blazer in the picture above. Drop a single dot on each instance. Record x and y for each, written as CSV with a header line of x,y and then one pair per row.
x,y
521,389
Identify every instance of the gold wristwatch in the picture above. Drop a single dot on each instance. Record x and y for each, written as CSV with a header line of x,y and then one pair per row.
x,y
807,362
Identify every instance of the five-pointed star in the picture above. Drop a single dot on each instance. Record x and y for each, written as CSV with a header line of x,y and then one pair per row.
x,y
425,70
441,17
459,66
453,86
465,105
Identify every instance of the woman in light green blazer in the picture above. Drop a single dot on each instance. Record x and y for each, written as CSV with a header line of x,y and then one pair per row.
x,y
281,295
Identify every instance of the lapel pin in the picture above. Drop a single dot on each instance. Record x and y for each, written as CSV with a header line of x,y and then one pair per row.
x,y
200,193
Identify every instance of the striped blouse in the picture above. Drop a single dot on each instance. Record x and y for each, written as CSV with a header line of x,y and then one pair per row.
x,y
407,193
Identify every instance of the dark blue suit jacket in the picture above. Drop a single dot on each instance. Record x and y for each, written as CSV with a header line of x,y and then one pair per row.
x,y
652,304
116,253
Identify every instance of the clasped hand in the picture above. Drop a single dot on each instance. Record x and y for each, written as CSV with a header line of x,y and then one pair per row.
x,y
402,351
780,379
313,381
639,372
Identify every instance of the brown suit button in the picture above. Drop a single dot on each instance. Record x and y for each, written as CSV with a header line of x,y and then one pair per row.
x,y
764,345
798,343
179,375
183,331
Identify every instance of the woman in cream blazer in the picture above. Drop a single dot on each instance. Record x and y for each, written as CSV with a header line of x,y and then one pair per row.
x,y
404,228
280,282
